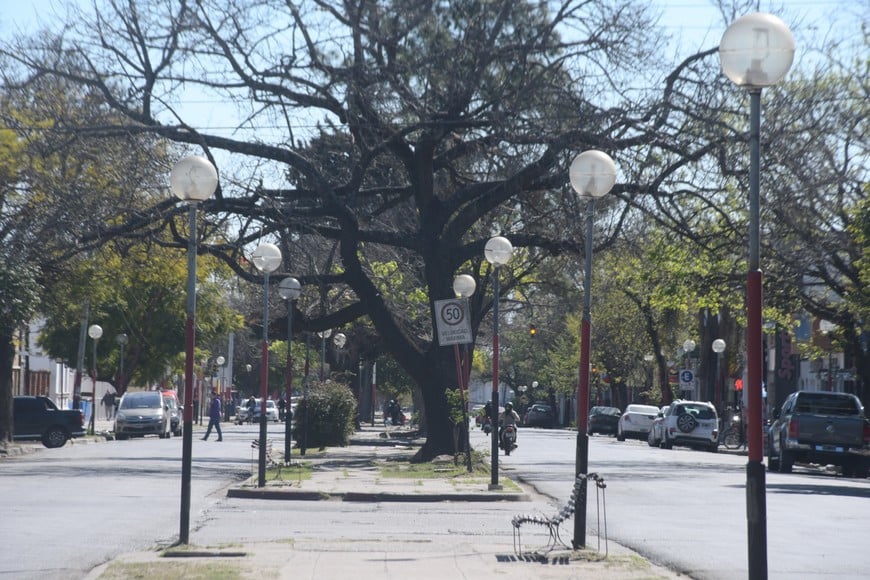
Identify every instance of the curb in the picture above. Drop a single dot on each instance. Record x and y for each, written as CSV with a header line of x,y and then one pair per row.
x,y
354,496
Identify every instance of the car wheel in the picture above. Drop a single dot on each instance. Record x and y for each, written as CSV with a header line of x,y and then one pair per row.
x,y
121,437
620,436
54,437
862,469
650,439
665,444
686,423
714,448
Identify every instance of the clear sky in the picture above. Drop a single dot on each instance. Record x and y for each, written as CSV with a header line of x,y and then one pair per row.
x,y
693,25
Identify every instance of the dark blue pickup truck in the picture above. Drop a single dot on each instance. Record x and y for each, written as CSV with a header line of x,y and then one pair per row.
x,y
38,418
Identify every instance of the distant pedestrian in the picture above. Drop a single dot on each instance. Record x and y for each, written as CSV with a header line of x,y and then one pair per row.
x,y
214,416
108,401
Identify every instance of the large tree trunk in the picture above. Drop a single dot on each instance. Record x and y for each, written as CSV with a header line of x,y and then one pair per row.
x,y
434,379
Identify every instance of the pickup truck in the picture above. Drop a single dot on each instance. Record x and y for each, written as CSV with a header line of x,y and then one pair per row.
x,y
820,427
38,418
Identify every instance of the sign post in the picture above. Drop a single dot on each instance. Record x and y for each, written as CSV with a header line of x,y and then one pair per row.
x,y
454,327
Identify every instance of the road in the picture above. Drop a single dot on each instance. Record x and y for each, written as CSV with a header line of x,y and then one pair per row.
x,y
67,510
687,509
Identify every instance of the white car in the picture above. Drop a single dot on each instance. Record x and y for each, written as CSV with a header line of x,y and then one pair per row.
x,y
636,421
271,411
657,428
692,424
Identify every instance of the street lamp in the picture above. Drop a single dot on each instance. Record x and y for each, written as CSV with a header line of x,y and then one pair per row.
x,y
592,175
95,331
323,334
122,341
193,179
689,346
755,51
718,348
463,287
266,259
289,289
497,252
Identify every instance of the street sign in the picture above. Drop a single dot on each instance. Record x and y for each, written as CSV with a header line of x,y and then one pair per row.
x,y
452,321
687,380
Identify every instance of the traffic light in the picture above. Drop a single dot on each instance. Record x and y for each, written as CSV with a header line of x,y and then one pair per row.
x,y
533,332
738,385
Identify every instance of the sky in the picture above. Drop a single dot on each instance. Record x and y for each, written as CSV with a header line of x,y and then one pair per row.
x,y
693,24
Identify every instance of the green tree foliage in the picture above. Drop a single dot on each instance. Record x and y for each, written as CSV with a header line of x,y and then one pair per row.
x,y
138,289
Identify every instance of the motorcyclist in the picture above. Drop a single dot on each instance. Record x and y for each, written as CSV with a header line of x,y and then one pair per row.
x,y
394,412
508,417
484,417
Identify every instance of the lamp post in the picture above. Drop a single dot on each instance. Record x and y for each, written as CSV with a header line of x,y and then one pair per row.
x,y
266,259
323,334
497,252
689,346
193,179
122,341
463,287
289,289
756,51
95,331
592,175
219,363
718,348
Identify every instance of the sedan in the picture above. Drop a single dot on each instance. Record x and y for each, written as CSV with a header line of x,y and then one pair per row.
x,y
271,411
539,415
603,420
636,422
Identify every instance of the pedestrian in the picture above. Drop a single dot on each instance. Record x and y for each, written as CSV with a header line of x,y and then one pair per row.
x,y
281,406
109,403
214,416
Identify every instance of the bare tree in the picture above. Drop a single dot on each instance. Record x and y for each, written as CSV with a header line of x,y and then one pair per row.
x,y
378,132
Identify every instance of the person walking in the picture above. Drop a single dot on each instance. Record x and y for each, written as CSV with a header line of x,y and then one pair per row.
x,y
214,416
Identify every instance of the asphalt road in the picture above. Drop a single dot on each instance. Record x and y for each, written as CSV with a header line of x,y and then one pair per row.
x,y
687,509
67,510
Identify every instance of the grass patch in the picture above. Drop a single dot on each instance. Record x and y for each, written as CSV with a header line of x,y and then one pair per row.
x,y
294,472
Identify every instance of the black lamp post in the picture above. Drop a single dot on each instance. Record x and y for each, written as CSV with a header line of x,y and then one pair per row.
x,y
498,251
289,289
756,51
592,175
266,258
193,179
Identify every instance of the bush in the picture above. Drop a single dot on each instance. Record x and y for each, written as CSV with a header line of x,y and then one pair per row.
x,y
329,411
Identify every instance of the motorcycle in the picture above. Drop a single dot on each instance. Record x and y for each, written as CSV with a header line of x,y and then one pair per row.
x,y
508,439
486,426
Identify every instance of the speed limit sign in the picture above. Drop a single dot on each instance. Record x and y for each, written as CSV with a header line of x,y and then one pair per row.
x,y
452,321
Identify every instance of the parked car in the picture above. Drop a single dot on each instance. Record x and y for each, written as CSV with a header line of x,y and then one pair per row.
x,y
654,437
603,420
540,415
692,424
820,427
175,411
143,413
271,411
636,421
39,418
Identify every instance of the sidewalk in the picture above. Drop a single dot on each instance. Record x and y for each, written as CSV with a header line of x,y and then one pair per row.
x,y
356,474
